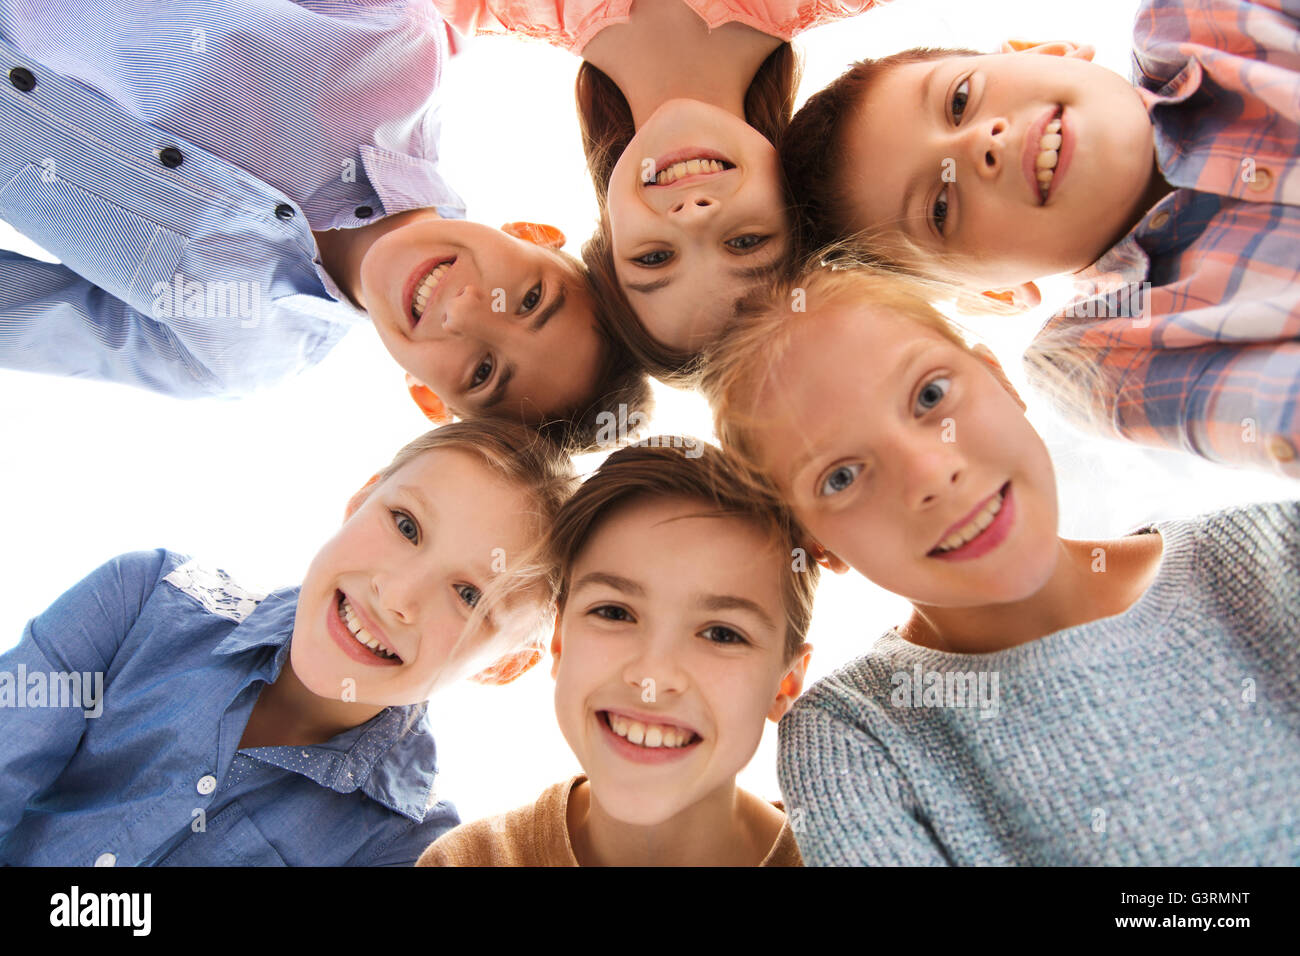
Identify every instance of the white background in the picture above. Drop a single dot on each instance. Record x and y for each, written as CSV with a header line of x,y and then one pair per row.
x,y
255,485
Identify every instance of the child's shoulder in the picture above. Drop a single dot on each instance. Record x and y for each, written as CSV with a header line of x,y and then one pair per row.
x,y
532,835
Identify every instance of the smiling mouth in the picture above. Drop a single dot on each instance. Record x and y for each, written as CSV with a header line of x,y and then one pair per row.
x,y
671,173
976,526
1048,156
359,632
651,736
425,285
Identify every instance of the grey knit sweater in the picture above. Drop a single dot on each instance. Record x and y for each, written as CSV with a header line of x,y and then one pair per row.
x,y
1169,734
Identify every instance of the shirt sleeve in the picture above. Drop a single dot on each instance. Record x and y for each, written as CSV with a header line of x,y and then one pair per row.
x,y
1233,404
847,802
79,634
55,322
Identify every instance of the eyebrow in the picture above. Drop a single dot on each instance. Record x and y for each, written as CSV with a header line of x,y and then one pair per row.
x,y
618,583
417,494
555,305
732,602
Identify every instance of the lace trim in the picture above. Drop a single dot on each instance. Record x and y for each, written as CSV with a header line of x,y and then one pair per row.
x,y
214,589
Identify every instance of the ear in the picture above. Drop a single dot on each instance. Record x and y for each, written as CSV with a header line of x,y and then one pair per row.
x,y
429,403
985,354
505,669
538,233
555,648
359,497
827,559
1065,48
1018,298
791,685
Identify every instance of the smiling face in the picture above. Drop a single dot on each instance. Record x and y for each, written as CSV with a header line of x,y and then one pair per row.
x,y
709,225
670,653
893,445
405,572
950,153
493,324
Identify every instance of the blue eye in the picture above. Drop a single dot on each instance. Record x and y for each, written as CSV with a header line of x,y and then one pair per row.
x,y
932,393
719,634
839,479
745,243
406,526
939,214
469,594
656,258
959,98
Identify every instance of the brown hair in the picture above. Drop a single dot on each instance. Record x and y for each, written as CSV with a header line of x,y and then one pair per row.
x,y
520,456
673,466
606,123
814,153
739,367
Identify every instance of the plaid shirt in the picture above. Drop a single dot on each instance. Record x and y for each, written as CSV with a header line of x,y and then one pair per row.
x,y
1193,320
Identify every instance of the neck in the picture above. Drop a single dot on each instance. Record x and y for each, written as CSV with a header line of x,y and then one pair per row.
x,y
342,250
727,828
665,51
1092,580
288,713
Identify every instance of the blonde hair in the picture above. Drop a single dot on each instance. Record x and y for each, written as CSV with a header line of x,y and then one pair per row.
x,y
523,458
668,467
738,369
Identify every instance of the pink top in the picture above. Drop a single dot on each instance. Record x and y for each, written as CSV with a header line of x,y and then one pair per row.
x,y
571,24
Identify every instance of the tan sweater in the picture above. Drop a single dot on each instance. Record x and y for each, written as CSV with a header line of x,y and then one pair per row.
x,y
538,835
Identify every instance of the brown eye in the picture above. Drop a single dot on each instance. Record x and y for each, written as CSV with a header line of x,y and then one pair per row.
x,y
481,373
652,259
959,99
533,297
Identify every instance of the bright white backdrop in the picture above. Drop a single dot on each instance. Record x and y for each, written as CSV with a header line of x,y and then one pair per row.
x,y
88,470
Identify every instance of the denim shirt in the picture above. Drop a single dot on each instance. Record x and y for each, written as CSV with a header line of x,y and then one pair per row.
x,y
157,776
175,158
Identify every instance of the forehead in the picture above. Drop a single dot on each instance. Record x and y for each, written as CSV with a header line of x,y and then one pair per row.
x,y
459,485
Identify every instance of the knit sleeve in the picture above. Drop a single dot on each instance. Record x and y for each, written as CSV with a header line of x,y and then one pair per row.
x,y
847,802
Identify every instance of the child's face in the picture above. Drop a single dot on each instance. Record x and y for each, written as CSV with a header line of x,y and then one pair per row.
x,y
506,329
947,153
686,249
888,441
409,563
673,620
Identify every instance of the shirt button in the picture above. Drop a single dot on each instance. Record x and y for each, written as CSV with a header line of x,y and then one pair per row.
x,y
106,859
1262,181
284,211
22,79
207,783
364,212
171,157
1281,449
1160,220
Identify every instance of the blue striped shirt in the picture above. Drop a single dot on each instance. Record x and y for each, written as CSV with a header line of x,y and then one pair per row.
x,y
123,707
176,156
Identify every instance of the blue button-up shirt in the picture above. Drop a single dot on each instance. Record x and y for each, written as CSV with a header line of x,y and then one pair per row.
x,y
176,156
142,765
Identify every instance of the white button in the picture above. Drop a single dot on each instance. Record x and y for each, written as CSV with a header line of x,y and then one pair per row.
x,y
207,783
106,859
1160,220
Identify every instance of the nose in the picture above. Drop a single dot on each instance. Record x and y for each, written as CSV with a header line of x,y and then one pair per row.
x,y
694,208
654,668
933,467
464,311
397,596
986,145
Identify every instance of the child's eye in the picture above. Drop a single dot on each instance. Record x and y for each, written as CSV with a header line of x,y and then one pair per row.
x,y
932,393
482,372
720,634
656,258
839,479
745,243
406,526
530,300
611,612
469,594
959,98
939,214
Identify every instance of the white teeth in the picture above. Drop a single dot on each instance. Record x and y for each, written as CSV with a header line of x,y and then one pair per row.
x,y
649,735
359,631
1054,126
975,527
1049,146
425,288
688,167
